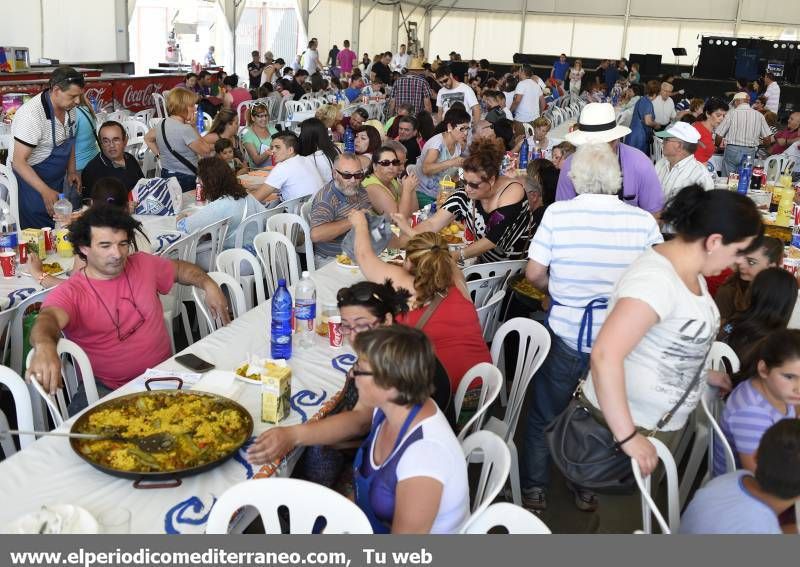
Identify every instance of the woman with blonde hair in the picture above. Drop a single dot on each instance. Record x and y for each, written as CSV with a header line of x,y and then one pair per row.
x,y
439,302
257,137
331,116
539,145
576,73
176,139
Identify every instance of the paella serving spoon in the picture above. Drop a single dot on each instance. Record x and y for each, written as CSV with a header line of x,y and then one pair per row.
x,y
155,443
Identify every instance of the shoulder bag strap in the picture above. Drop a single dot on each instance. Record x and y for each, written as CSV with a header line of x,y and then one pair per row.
x,y
665,419
93,123
429,311
189,165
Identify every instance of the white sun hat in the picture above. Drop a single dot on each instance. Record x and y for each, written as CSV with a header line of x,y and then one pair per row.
x,y
597,124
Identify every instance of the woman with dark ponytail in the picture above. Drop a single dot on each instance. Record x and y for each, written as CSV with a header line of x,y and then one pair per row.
x,y
662,322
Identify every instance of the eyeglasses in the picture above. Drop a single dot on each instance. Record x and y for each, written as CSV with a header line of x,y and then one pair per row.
x,y
348,175
259,115
463,128
472,185
355,329
388,162
110,141
352,373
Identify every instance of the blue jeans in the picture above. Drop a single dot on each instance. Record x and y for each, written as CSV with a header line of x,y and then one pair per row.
x,y
186,181
79,402
549,394
732,157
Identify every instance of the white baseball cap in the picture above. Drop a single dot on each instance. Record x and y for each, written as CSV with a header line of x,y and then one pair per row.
x,y
682,131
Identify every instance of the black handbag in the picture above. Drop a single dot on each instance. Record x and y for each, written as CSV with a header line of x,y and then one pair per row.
x,y
586,453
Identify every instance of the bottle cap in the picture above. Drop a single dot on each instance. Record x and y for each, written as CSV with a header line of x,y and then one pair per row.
x,y
281,282
305,275
61,195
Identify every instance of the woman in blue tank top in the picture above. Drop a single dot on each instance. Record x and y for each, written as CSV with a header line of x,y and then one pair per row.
x,y
410,474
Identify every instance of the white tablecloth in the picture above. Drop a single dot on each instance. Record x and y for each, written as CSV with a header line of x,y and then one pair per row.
x,y
49,472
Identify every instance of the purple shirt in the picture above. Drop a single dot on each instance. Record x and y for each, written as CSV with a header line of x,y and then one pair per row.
x,y
641,187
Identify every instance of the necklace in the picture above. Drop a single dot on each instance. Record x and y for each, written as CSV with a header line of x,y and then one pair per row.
x,y
116,322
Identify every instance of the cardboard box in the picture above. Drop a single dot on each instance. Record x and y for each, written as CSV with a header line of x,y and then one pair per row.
x,y
34,238
276,389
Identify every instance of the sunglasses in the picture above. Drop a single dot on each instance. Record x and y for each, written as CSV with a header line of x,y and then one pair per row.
x,y
473,185
259,115
348,175
388,162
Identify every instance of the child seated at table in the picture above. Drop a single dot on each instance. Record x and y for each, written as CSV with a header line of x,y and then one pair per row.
x,y
742,503
770,394
223,148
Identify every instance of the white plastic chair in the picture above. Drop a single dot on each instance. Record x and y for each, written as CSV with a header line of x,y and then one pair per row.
x,y
534,344
488,315
648,505
774,166
184,249
160,105
293,205
74,361
210,242
306,502
508,267
136,131
515,519
230,262
705,422
235,296
278,258
294,227
11,184
528,129
145,116
22,407
253,224
489,449
711,405
483,289
658,148
305,211
491,381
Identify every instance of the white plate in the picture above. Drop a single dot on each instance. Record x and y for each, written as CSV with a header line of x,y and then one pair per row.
x,y
57,519
346,266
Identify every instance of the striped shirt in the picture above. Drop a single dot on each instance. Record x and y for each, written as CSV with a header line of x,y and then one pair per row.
x,y
31,126
507,227
743,126
686,172
747,415
588,242
411,89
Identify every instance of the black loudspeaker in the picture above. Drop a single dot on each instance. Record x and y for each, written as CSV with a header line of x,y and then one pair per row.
x,y
652,64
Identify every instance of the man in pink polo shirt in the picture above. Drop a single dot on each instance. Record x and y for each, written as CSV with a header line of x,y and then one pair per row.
x,y
345,59
111,308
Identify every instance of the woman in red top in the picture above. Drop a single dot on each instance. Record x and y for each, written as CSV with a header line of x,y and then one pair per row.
x,y
713,113
430,275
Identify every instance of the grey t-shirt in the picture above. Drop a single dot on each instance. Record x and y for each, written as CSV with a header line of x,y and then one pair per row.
x,y
179,136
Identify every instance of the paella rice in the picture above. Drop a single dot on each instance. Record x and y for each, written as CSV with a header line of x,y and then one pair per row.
x,y
205,429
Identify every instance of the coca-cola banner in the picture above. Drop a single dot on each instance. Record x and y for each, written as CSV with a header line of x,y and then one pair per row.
x,y
136,94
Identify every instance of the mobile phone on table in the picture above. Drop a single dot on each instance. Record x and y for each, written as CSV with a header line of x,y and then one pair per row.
x,y
194,362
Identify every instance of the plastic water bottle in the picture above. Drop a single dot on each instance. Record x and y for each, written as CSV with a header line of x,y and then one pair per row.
x,y
305,310
281,326
62,209
349,141
524,150
745,172
9,239
712,171
200,121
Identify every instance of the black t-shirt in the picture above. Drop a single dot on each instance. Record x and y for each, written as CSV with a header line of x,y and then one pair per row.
x,y
101,167
382,72
297,90
412,150
255,82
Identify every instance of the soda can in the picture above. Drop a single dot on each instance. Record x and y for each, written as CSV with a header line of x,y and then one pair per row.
x,y
796,214
791,265
415,219
335,336
49,245
23,252
199,197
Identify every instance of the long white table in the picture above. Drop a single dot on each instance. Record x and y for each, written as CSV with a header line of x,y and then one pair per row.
x,y
49,472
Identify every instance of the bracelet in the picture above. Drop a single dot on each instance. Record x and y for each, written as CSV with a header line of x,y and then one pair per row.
x,y
628,438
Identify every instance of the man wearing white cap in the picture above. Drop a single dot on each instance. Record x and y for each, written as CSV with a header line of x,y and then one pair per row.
x,y
640,186
679,168
743,130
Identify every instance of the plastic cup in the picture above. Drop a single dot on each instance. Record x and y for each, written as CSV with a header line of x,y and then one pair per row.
x,y
115,521
335,336
7,263
791,265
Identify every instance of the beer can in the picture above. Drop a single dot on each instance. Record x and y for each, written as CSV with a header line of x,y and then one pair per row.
x,y
335,336
49,245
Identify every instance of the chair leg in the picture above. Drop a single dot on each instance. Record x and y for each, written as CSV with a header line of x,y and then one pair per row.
x,y
187,327
516,489
696,457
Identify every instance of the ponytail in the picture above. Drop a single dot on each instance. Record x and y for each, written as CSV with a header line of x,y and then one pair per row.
x,y
431,264
697,214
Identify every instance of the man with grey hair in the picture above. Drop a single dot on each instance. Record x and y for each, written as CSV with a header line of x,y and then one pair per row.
x,y
679,168
45,130
332,204
580,250
664,106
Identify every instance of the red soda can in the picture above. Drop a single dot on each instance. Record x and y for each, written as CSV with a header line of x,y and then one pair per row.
x,y
23,252
335,336
796,214
198,191
48,240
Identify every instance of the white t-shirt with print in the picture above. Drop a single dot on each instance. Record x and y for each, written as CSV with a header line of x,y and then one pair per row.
x,y
295,177
660,368
528,108
462,93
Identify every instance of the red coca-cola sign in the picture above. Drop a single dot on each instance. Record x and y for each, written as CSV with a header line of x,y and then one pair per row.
x,y
137,94
99,91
